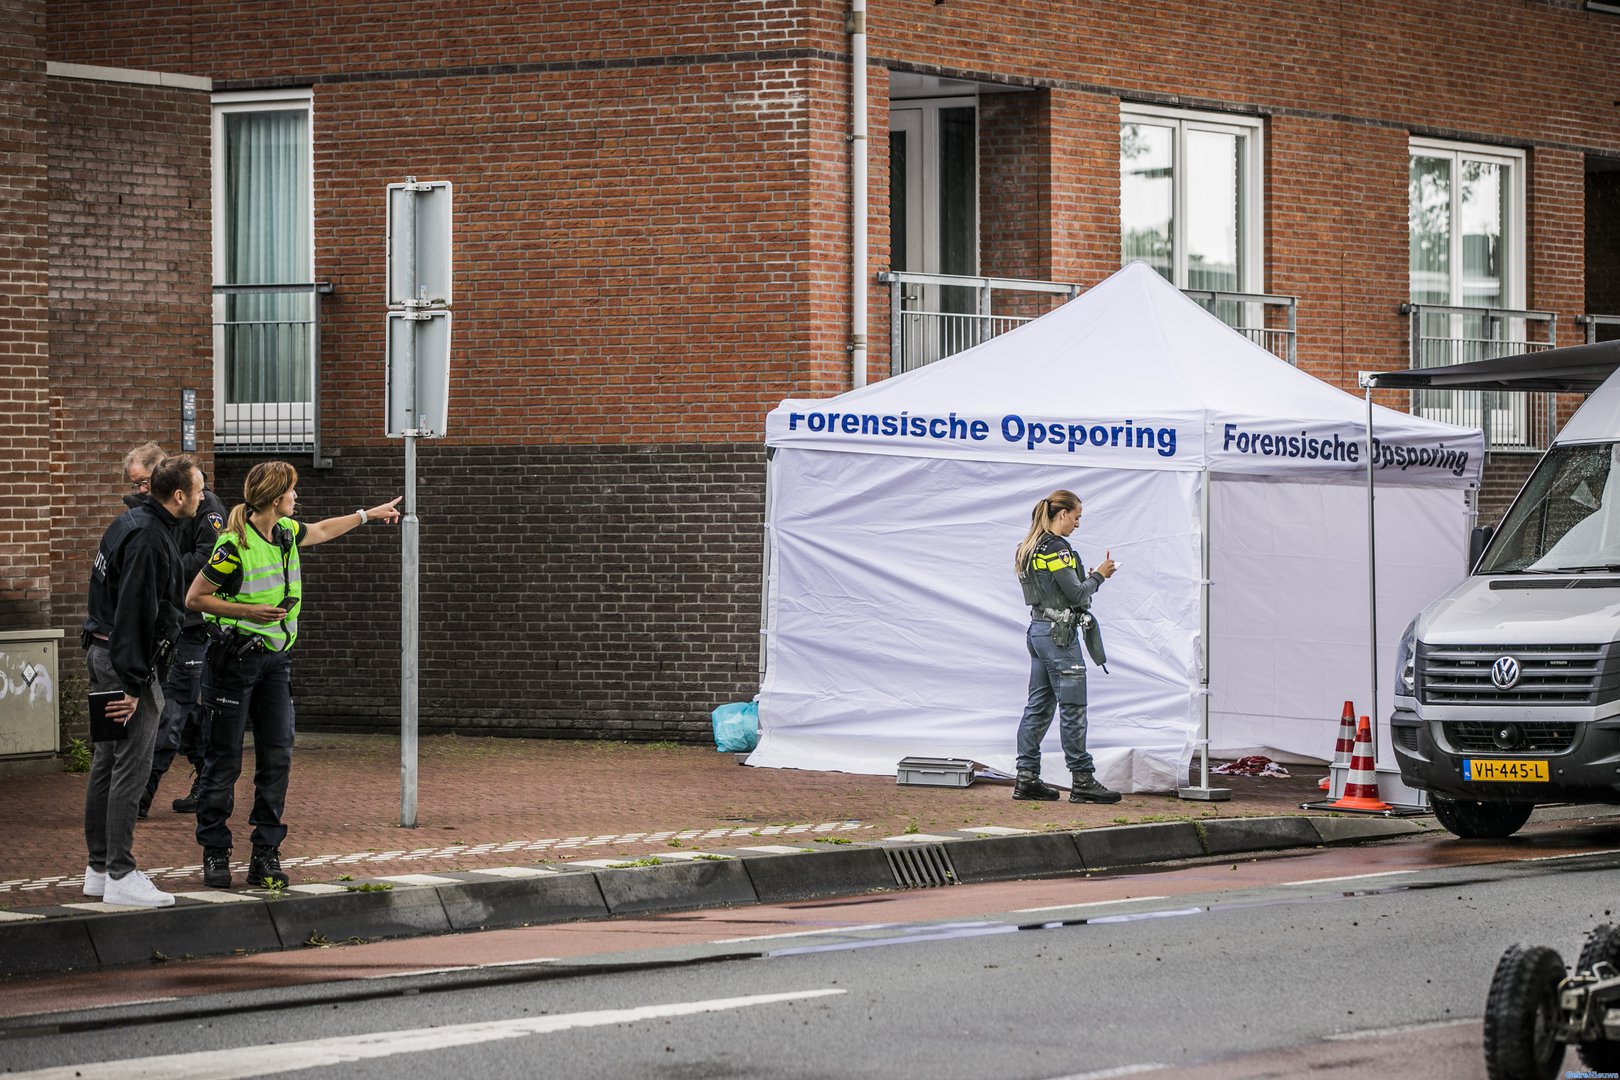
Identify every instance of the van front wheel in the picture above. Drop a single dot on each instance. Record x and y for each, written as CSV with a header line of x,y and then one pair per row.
x,y
1473,820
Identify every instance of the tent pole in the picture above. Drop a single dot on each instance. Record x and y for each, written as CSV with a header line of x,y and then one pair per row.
x,y
1372,576
766,568
1203,791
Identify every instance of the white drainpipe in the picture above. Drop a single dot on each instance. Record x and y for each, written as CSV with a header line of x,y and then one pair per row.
x,y
857,181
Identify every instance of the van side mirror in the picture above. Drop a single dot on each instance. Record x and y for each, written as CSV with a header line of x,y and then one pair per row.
x,y
1477,542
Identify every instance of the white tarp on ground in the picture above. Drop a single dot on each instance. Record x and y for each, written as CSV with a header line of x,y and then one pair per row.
x,y
895,625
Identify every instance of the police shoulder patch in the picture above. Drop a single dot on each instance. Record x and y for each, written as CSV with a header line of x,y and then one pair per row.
x,y
222,556
217,521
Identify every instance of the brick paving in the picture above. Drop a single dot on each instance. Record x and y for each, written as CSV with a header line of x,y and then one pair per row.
x,y
493,802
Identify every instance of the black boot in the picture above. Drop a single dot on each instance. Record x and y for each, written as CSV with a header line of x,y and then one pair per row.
x,y
217,867
1087,789
1029,786
144,807
187,804
264,870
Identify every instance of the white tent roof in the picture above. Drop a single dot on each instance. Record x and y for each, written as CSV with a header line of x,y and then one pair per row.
x,y
1130,374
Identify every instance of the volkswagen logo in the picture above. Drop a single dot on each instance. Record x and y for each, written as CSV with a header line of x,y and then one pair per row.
x,y
1505,673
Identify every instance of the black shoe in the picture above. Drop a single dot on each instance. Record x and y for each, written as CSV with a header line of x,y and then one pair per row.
x,y
187,804
1086,789
1029,786
144,808
265,870
217,867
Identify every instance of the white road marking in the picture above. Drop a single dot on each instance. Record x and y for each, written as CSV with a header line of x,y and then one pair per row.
x,y
806,933
245,1061
1379,1033
453,851
1572,855
216,896
1349,877
1118,1070
1089,903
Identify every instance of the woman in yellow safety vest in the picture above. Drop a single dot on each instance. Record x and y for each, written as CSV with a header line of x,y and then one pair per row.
x,y
250,592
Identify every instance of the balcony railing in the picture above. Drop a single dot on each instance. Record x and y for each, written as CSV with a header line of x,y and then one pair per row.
x,y
1600,327
932,316
266,368
1442,335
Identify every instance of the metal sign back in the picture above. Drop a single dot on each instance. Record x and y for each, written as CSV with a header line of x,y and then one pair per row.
x,y
418,373
419,244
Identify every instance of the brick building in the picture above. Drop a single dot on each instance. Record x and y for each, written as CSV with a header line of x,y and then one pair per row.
x,y
653,247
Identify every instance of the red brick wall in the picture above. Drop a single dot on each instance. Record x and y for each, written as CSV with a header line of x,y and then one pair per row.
x,y
130,309
652,242
25,481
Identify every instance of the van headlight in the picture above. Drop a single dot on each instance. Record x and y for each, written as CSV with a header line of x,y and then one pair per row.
x,y
1406,662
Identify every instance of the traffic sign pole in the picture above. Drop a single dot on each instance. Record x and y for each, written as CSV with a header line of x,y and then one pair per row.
x,y
416,406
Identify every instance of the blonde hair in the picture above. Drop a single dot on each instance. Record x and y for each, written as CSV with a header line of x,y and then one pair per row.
x,y
266,482
1040,523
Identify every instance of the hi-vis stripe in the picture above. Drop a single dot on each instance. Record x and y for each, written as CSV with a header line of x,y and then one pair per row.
x,y
1057,560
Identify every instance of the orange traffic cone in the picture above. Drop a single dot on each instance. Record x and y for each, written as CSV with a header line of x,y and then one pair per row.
x,y
1346,744
1361,787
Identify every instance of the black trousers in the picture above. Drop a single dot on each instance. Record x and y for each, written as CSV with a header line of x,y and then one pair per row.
x,y
254,689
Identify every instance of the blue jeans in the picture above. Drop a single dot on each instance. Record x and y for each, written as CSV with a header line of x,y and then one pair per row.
x,y
1056,676
255,689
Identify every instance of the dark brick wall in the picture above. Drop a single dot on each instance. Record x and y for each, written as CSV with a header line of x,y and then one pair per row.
x,y
566,591
25,435
130,308
1504,475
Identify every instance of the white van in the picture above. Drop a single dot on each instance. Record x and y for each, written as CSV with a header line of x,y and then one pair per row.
x,y
1507,688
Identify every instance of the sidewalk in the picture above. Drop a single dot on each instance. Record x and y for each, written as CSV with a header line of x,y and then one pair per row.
x,y
516,810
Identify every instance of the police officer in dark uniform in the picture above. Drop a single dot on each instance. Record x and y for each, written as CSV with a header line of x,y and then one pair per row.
x,y
133,616
1059,598
181,728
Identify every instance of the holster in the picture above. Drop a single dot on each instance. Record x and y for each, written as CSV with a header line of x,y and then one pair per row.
x,y
1063,625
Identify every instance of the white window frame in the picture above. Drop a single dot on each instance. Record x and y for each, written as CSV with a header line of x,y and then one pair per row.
x,y
259,423
1513,234
1252,238
1508,425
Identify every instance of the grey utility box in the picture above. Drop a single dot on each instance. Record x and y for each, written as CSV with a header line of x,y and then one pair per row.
x,y
29,692
935,771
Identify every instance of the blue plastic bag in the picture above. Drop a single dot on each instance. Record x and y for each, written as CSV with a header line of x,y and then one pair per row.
x,y
736,727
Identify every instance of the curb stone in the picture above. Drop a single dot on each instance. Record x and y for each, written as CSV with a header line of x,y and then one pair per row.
x,y
62,939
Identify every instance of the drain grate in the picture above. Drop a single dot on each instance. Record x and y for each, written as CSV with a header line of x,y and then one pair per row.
x,y
921,866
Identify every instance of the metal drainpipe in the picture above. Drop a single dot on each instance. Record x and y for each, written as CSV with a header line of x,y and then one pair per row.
x,y
857,180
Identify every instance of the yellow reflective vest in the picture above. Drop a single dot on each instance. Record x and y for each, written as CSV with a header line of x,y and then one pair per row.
x,y
269,574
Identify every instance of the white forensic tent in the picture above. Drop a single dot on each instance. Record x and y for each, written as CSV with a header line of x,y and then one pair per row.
x,y
894,625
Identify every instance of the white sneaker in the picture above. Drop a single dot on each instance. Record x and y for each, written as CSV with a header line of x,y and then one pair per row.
x,y
135,889
95,882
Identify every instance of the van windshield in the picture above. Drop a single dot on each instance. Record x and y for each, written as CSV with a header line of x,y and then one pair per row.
x,y
1567,518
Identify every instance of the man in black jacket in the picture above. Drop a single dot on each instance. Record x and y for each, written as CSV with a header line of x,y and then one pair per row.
x,y
134,617
180,730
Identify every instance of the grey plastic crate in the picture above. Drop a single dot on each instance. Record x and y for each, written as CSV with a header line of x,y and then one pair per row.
x,y
935,771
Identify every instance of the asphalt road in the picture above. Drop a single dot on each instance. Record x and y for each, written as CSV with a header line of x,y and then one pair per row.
x,y
1370,962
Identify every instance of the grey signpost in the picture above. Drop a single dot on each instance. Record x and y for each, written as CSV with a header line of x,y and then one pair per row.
x,y
418,344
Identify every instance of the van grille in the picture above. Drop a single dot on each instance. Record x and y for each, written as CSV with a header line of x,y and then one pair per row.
x,y
1549,674
1479,737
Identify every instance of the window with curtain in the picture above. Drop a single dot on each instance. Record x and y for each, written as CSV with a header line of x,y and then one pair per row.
x,y
265,336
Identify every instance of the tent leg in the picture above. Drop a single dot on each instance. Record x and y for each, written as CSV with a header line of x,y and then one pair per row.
x,y
1202,791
